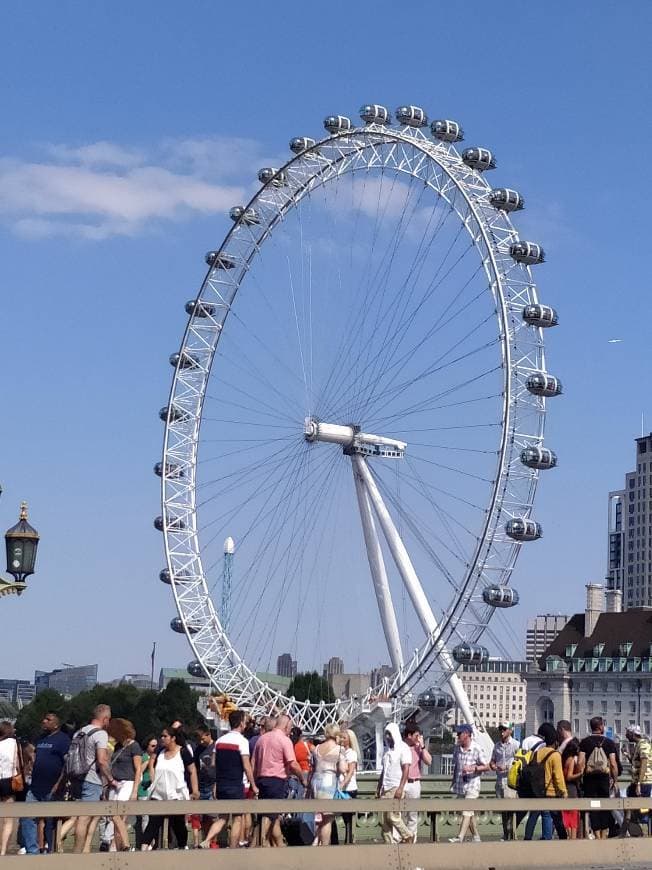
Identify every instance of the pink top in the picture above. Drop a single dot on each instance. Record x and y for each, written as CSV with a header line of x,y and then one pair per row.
x,y
273,753
415,766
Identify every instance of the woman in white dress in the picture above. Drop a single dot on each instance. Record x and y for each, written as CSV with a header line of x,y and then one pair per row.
x,y
327,762
348,780
9,767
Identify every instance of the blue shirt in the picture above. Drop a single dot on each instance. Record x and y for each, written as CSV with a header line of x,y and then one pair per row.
x,y
51,751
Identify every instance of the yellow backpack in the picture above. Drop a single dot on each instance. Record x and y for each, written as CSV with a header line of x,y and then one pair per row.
x,y
521,760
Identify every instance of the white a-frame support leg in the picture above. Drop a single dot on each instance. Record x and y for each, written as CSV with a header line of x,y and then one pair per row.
x,y
411,581
378,573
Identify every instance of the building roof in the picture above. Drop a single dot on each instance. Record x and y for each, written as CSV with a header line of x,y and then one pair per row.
x,y
612,629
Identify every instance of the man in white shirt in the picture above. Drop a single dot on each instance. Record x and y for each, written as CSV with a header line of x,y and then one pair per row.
x,y
501,761
469,762
391,784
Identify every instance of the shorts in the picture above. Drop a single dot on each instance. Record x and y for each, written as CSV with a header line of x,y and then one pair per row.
x,y
570,819
90,791
196,819
123,792
5,788
272,788
230,793
471,795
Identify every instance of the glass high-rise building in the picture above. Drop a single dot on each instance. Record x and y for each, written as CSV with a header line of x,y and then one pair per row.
x,y
629,566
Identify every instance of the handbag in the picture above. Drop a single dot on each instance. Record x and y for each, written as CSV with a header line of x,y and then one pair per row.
x,y
341,795
18,780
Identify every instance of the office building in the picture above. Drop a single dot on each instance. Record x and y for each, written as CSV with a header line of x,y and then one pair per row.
x,y
629,565
599,665
333,666
383,672
199,684
349,685
286,666
541,631
67,681
497,691
140,681
17,692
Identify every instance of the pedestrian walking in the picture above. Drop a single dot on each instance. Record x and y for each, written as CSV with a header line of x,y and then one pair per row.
x,y
544,777
327,762
569,747
126,771
599,768
233,775
169,773
469,763
87,768
640,759
204,758
151,746
501,760
50,753
348,780
11,778
274,760
395,770
413,736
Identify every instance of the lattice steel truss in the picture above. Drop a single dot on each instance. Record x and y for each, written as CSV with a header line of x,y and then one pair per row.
x,y
406,151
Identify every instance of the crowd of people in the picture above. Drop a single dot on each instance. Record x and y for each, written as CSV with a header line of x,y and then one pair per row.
x,y
271,759
554,764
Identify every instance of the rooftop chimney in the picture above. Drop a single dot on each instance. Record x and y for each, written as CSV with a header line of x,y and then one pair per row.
x,y
594,607
614,600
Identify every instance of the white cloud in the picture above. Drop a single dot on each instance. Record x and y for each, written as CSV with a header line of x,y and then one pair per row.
x,y
103,189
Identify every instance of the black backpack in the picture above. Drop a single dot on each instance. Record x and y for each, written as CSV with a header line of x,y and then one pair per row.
x,y
532,783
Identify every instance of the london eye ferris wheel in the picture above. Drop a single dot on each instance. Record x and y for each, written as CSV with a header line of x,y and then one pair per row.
x,y
359,400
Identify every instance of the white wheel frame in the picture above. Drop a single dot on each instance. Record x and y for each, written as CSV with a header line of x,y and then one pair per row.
x,y
439,166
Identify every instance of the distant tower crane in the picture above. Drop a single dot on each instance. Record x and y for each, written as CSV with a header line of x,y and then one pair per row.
x,y
227,576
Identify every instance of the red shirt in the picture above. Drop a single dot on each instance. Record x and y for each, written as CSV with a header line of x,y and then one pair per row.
x,y
302,753
273,754
415,767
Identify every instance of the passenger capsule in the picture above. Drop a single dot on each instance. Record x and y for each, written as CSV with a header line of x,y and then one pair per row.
x,y
540,315
543,384
500,596
219,260
165,577
195,669
411,116
337,123
505,199
174,523
171,470
447,131
200,309
538,457
176,624
375,114
184,360
275,177
520,529
528,253
470,654
301,144
173,414
479,158
241,215
434,699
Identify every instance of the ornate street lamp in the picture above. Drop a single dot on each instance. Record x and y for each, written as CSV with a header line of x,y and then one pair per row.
x,y
22,543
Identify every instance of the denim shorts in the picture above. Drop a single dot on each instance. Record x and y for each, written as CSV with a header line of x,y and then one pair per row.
x,y
90,791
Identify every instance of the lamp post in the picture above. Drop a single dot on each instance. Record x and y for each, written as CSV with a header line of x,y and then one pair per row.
x,y
22,543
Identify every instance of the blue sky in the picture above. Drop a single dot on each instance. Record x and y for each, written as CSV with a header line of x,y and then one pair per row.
x,y
130,129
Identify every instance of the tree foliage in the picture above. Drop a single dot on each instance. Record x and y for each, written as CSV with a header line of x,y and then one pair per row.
x,y
149,711
310,686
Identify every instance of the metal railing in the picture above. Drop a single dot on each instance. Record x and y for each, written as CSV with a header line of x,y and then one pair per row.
x,y
626,852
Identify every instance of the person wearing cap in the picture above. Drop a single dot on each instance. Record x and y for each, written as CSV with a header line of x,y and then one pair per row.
x,y
469,763
501,760
641,767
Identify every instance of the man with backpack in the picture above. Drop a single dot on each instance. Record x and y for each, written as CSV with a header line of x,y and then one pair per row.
x,y
87,766
543,777
599,768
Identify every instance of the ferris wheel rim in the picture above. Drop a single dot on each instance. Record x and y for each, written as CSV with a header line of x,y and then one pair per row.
x,y
409,137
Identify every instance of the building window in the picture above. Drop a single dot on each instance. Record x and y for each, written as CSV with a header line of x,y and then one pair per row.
x,y
619,706
618,726
577,725
589,706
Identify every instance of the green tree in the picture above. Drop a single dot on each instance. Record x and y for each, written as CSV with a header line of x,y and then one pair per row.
x,y
310,686
28,723
178,701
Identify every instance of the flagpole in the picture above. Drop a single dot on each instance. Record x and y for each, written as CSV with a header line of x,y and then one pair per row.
x,y
151,680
